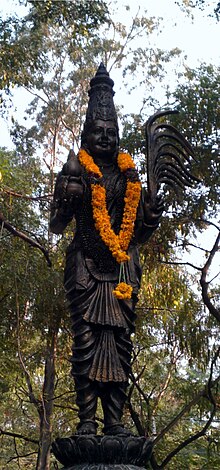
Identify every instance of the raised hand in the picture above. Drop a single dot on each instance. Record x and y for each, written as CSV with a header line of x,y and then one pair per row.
x,y
153,209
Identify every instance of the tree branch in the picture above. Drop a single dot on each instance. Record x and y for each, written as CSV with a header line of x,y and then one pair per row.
x,y
37,95
24,196
17,233
166,383
189,440
208,394
204,284
187,408
63,407
180,263
17,436
31,394
207,222
21,456
134,381
135,418
186,244
134,415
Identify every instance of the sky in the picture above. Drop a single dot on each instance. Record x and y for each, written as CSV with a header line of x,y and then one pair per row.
x,y
197,37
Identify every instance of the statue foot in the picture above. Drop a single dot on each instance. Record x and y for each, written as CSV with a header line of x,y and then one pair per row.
x,y
116,429
85,428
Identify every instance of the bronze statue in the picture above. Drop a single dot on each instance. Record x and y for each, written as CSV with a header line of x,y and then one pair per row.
x,y
101,189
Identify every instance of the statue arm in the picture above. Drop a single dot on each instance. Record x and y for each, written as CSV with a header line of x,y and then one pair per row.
x,y
66,193
148,217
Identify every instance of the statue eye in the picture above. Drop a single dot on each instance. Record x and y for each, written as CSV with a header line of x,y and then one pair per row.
x,y
97,130
111,132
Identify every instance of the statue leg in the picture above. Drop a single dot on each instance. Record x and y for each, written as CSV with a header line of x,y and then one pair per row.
x,y
86,400
113,397
113,394
86,389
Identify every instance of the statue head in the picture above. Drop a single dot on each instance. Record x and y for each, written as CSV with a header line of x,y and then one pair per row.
x,y
100,135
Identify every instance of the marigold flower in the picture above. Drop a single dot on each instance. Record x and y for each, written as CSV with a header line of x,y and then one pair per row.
x,y
87,161
123,291
125,162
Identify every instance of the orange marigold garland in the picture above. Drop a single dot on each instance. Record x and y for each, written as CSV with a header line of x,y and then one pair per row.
x,y
103,223
132,197
123,291
125,162
87,161
117,244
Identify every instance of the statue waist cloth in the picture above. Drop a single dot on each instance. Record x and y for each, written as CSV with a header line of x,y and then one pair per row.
x,y
90,292
81,267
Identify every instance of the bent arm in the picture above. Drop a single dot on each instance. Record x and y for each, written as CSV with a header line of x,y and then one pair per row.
x,y
148,217
62,211
59,219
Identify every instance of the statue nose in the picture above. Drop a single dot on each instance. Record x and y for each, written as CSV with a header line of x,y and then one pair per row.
x,y
104,134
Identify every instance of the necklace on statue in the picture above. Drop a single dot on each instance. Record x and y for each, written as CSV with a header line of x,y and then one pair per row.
x,y
117,244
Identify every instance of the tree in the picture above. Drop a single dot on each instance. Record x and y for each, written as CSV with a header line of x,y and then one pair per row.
x,y
201,5
24,53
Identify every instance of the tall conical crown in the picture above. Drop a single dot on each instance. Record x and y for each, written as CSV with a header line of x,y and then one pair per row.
x,y
101,105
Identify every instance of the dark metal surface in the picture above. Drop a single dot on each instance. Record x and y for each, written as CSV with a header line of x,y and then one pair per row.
x,y
105,450
168,156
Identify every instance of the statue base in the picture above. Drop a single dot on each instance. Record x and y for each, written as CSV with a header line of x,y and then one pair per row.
x,y
103,466
90,452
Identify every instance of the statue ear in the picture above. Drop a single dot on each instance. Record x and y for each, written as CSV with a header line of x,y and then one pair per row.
x,y
118,138
85,131
83,139
84,135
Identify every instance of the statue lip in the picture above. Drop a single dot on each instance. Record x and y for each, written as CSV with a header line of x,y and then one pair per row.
x,y
103,144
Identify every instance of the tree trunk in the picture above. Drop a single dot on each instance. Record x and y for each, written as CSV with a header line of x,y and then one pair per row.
x,y
43,460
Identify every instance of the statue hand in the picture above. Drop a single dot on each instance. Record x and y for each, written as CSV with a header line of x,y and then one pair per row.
x,y
74,187
67,187
152,209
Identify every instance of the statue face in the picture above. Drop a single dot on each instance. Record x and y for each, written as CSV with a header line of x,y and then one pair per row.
x,y
102,139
